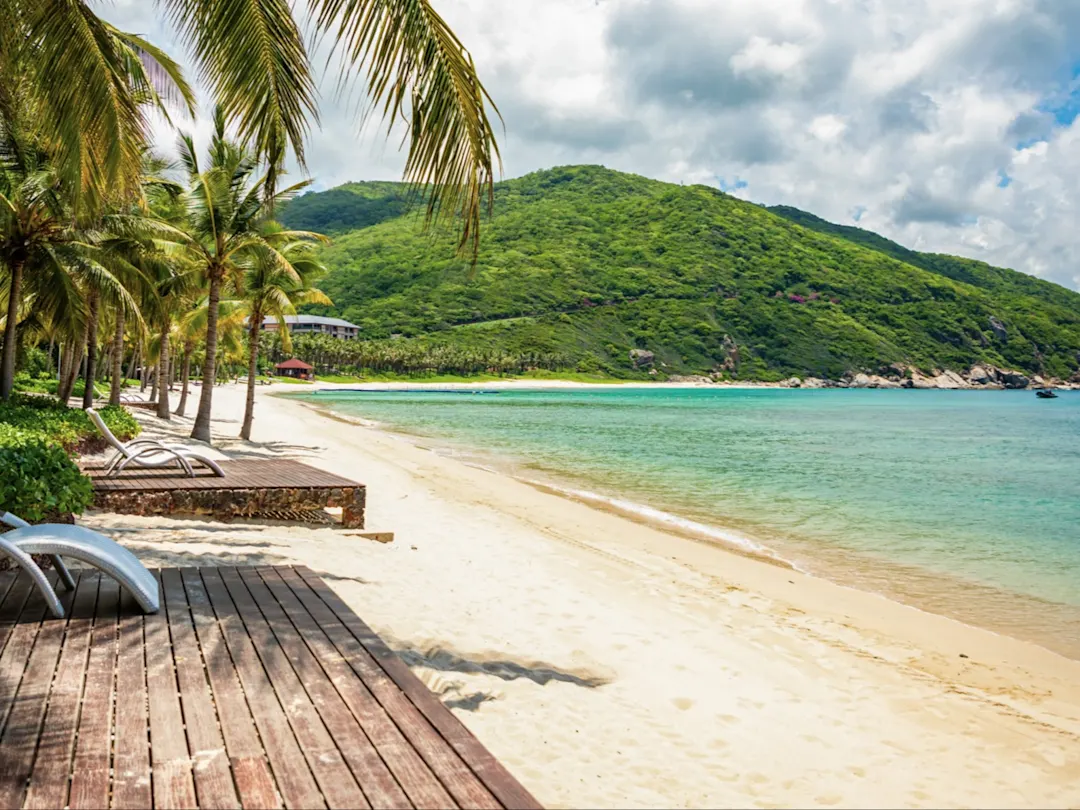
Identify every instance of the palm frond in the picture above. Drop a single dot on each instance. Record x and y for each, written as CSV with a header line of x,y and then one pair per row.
x,y
252,54
153,69
416,65
88,114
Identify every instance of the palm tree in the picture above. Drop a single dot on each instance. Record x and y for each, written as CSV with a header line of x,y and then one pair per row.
x,y
228,208
89,79
59,267
274,287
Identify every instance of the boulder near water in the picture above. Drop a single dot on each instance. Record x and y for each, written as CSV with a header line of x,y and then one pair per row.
x,y
1014,379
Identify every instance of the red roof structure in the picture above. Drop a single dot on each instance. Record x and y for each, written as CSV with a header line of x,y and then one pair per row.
x,y
294,363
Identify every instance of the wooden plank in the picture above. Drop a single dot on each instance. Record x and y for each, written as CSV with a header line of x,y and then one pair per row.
x,y
15,597
29,697
213,780
291,769
447,764
325,759
131,764
239,474
251,768
413,774
375,779
173,783
494,775
52,764
93,755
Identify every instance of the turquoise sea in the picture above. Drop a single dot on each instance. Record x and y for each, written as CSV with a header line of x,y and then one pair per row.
x,y
964,503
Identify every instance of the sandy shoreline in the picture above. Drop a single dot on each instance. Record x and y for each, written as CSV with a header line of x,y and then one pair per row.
x,y
608,663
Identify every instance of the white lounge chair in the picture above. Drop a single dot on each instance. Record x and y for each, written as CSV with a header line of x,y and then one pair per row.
x,y
64,540
150,452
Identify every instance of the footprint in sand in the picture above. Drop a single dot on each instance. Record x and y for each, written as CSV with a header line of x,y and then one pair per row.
x,y
683,703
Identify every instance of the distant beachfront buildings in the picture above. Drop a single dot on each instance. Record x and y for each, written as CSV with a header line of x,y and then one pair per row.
x,y
315,324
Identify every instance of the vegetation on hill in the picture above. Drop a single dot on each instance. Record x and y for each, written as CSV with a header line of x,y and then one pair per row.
x,y
346,208
588,264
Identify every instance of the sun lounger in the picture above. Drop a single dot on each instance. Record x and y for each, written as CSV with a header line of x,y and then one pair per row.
x,y
60,540
150,452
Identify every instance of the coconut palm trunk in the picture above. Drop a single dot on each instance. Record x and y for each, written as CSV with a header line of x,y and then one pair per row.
x,y
185,381
75,354
253,369
91,352
132,363
7,365
67,353
117,359
163,374
201,429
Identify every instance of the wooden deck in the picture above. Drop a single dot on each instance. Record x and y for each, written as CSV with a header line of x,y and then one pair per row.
x,y
250,487
253,687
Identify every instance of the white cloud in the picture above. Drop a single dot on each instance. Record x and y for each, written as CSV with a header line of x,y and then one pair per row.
x,y
827,127
937,124
761,54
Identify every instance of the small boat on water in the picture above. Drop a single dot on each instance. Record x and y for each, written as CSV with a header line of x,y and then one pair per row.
x,y
1046,393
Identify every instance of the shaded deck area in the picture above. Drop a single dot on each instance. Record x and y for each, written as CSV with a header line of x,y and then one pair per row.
x,y
253,687
250,488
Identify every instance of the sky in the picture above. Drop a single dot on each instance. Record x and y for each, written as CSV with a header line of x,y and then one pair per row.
x,y
948,126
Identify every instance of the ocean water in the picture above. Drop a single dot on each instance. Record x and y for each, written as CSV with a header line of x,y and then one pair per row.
x,y
964,503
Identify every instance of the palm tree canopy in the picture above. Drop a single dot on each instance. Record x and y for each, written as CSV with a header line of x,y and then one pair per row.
x,y
93,81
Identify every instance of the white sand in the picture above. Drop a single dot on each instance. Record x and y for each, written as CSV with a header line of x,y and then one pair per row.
x,y
608,664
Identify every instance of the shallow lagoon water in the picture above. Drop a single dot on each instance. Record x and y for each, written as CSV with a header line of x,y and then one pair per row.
x,y
962,502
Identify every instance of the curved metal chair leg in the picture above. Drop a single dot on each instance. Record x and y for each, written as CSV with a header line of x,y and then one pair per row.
x,y
62,570
26,562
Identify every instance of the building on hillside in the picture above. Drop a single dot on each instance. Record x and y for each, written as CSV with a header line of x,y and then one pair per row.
x,y
295,368
314,325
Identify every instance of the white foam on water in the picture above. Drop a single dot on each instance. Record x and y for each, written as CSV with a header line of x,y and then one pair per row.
x,y
662,518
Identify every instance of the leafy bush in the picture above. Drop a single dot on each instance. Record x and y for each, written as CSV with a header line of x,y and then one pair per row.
x,y
120,422
38,478
48,385
36,362
66,426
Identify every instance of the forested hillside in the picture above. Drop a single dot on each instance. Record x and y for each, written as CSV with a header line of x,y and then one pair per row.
x,y
591,264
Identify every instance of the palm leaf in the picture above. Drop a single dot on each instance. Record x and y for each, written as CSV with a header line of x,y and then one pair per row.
x,y
253,56
153,69
414,62
87,111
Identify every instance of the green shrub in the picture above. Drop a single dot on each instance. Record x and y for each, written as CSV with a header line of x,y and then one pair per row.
x,y
67,426
37,477
120,422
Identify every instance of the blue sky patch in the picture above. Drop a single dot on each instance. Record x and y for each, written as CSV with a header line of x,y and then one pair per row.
x,y
727,187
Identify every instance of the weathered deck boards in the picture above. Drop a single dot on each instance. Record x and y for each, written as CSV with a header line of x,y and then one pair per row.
x,y
253,687
250,487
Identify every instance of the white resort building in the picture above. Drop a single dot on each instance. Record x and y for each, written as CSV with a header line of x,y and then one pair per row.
x,y
315,324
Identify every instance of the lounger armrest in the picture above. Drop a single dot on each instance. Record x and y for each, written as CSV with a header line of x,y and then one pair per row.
x,y
154,442
14,521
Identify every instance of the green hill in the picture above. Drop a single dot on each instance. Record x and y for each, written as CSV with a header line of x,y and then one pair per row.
x,y
589,264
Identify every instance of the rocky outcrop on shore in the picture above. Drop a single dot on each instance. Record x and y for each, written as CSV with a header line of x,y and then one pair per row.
x,y
895,375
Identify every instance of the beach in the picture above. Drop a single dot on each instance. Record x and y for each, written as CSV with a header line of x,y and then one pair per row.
x,y
608,663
